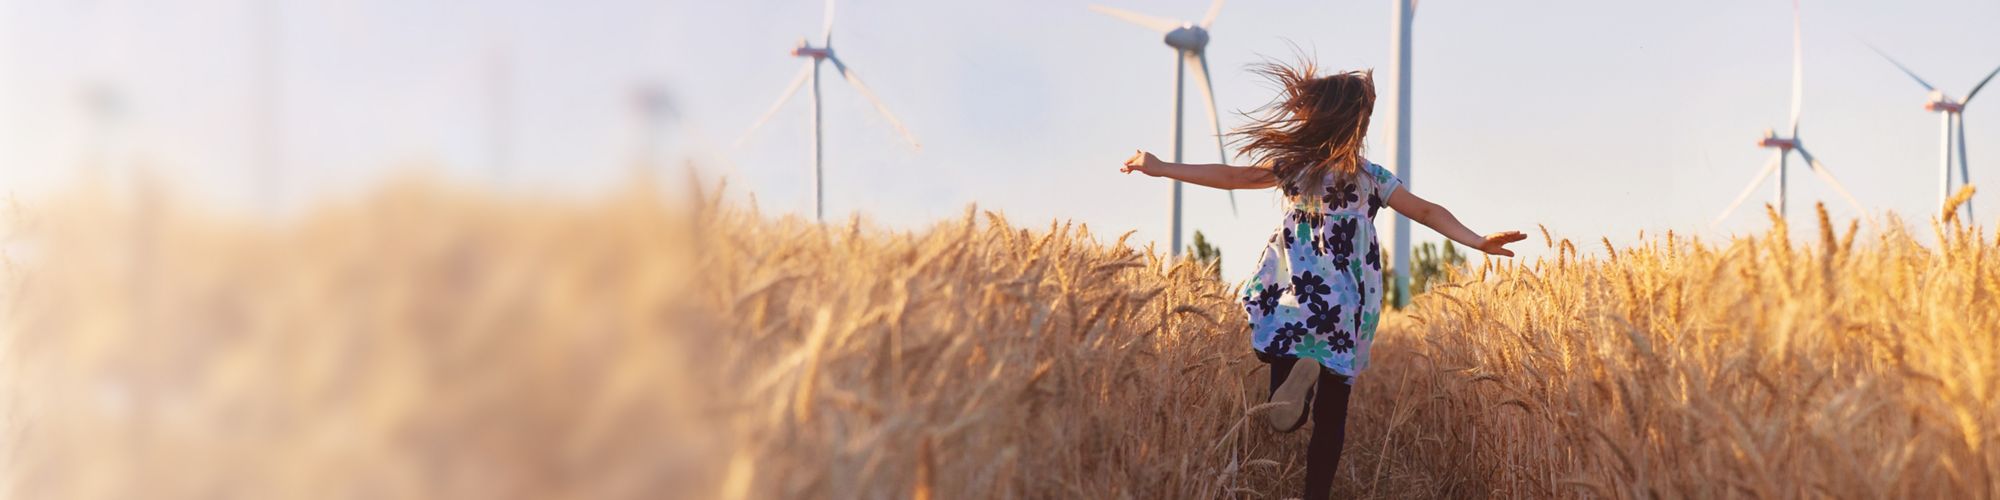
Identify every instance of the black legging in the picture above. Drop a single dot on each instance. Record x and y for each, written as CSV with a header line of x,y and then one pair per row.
x,y
1329,423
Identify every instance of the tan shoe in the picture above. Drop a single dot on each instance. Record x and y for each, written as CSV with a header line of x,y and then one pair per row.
x,y
1291,416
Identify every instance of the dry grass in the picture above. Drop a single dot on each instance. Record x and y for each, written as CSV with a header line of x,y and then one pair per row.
x,y
1754,368
430,343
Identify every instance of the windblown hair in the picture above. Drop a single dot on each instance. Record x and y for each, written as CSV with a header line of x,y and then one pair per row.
x,y
1313,128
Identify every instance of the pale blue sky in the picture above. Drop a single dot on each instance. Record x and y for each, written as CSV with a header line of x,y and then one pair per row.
x,y
1595,118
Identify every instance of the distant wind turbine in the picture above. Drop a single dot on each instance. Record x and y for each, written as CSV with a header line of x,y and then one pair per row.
x,y
1786,145
1953,113
500,116
824,52
103,105
1190,43
652,107
267,101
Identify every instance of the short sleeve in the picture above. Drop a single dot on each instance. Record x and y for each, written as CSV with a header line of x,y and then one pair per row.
x,y
1385,181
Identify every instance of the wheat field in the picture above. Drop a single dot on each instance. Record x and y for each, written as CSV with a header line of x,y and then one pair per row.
x,y
425,341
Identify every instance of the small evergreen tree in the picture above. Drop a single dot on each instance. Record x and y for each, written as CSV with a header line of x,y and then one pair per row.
x,y
1207,255
1428,264
1389,295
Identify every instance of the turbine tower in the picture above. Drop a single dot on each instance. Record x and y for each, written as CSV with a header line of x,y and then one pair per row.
x,y
1399,147
103,106
1787,145
1952,113
824,52
500,116
266,103
651,107
1190,44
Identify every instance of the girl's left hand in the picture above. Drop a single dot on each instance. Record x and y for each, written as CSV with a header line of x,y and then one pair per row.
x,y
1496,243
1142,162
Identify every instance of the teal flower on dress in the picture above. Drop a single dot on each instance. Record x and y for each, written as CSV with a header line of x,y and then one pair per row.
x,y
1369,320
1313,347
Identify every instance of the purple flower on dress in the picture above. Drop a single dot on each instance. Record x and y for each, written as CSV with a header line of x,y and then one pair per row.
x,y
1340,194
1341,243
1288,334
1267,300
1310,288
1340,342
1325,318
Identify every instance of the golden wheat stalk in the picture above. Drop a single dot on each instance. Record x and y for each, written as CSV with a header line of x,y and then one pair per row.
x,y
1950,211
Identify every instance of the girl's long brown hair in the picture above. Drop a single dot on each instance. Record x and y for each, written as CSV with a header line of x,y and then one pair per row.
x,y
1314,127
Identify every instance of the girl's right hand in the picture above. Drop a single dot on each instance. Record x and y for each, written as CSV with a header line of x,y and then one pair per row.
x,y
1496,243
1142,162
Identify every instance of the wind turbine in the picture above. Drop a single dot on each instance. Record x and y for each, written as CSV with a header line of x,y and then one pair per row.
x,y
1786,145
824,52
1953,114
1190,44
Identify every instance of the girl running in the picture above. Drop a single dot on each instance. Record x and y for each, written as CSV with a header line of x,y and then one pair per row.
x,y
1316,296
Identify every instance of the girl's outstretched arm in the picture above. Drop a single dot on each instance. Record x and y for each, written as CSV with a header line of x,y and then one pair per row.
x,y
1213,175
1441,220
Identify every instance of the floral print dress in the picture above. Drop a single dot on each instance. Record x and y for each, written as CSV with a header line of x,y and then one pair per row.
x,y
1317,292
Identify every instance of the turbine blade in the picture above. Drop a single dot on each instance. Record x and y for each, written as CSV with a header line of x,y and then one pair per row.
x,y
1214,9
1906,69
1199,62
1153,23
855,80
1752,188
1975,88
1827,176
790,90
1798,68
826,28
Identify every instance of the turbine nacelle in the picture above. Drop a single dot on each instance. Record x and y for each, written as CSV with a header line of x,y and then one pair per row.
x,y
1188,37
805,49
1771,140
1940,103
